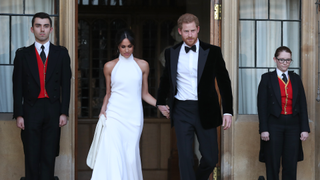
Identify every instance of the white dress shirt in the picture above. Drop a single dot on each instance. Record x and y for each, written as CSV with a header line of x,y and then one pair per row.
x,y
187,73
46,47
279,73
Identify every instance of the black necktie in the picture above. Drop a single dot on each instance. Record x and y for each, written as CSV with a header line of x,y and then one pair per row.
x,y
284,78
43,55
193,48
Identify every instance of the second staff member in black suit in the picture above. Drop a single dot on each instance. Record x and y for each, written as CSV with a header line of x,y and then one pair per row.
x,y
188,79
41,91
283,118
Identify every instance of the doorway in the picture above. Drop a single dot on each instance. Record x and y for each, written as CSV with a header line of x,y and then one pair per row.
x,y
152,23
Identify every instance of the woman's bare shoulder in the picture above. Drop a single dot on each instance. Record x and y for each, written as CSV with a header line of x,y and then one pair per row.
x,y
142,63
110,64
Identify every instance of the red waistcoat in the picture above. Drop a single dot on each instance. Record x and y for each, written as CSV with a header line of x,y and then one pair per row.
x,y
42,75
286,96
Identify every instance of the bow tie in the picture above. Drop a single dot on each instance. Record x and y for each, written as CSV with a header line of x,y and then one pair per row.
x,y
193,48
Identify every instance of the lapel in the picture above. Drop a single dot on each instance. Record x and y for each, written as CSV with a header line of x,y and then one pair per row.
x,y
295,87
52,60
275,85
203,55
174,56
31,59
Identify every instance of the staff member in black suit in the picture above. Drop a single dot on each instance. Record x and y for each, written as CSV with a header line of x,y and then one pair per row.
x,y
283,118
41,91
188,78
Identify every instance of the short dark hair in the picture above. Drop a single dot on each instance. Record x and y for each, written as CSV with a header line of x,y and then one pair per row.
x,y
282,49
187,18
41,15
123,34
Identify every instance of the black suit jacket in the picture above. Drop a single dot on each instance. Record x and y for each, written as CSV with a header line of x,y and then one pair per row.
x,y
211,66
269,105
269,100
26,81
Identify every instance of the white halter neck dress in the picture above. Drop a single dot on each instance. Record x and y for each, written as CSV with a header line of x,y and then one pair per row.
x,y
118,157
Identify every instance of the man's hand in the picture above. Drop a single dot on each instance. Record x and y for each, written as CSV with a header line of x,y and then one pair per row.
x,y
227,120
304,136
63,120
265,136
164,110
20,122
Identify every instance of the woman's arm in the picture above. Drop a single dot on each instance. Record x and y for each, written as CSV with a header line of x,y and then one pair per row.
x,y
146,96
107,69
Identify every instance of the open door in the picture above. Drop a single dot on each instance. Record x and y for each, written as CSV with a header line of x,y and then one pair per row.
x,y
215,39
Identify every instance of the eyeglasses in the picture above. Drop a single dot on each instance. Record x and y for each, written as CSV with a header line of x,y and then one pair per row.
x,y
284,60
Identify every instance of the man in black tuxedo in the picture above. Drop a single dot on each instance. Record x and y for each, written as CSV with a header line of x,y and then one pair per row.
x,y
283,118
191,69
41,91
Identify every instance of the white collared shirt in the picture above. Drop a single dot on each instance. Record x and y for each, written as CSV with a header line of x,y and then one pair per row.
x,y
46,47
279,73
187,74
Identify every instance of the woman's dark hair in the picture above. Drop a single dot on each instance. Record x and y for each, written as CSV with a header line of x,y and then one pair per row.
x,y
281,49
123,34
41,15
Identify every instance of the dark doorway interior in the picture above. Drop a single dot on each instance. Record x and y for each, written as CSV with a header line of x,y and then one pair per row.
x,y
152,22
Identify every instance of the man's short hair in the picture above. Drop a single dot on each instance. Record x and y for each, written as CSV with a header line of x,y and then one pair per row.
x,y
41,15
187,18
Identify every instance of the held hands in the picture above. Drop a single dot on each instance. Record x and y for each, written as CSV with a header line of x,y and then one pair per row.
x,y
265,136
227,120
164,110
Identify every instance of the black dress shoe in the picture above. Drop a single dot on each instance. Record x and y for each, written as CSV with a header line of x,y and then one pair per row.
x,y
261,178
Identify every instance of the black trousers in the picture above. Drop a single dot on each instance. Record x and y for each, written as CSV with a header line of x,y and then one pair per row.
x,y
187,123
41,139
283,144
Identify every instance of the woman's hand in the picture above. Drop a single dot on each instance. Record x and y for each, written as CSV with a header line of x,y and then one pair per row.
x,y
164,110
103,113
304,136
265,136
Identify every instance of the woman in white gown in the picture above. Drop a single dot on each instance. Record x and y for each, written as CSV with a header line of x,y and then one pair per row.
x,y
118,157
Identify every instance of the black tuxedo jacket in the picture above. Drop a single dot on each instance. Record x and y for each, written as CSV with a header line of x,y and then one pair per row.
x,y
269,105
26,81
211,66
269,100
